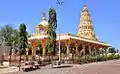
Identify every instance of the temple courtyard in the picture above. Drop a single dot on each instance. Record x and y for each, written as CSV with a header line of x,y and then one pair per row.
x,y
107,67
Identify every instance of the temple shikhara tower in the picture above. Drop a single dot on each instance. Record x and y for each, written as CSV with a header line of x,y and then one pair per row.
x,y
85,42
86,29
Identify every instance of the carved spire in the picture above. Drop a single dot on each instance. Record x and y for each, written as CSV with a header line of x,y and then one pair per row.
x,y
86,29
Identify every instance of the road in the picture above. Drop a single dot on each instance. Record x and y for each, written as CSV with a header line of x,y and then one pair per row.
x,y
109,67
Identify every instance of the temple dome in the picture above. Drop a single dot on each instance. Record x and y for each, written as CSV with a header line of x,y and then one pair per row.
x,y
44,22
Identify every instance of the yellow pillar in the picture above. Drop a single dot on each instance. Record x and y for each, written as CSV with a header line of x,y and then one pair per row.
x,y
44,51
44,44
33,51
67,43
68,50
27,51
89,50
76,46
83,49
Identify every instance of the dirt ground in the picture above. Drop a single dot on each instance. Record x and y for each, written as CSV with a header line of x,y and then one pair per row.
x,y
107,67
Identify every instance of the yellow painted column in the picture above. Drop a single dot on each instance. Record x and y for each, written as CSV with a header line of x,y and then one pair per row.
x,y
76,46
27,51
33,51
83,49
67,43
68,50
44,51
44,44
89,50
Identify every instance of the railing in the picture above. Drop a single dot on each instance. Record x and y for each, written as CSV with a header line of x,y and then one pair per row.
x,y
15,59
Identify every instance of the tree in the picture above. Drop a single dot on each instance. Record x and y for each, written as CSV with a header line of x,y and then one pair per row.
x,y
112,50
6,34
9,37
51,32
22,40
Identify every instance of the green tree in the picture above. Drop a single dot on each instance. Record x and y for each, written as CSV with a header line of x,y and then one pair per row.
x,y
22,40
51,32
6,35
112,50
9,37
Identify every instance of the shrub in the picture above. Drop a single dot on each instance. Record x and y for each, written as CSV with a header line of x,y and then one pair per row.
x,y
113,56
89,59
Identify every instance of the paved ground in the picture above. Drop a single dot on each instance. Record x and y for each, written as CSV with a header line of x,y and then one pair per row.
x,y
8,70
109,67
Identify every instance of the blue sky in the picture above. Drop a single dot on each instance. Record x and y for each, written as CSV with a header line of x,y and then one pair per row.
x,y
105,16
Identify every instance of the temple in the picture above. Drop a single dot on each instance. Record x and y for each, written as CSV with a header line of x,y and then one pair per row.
x,y
86,29
85,42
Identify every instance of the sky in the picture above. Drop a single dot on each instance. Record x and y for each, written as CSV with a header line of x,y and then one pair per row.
x,y
105,16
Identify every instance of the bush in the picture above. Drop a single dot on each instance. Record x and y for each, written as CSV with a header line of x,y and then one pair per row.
x,y
113,56
89,59
86,59
110,57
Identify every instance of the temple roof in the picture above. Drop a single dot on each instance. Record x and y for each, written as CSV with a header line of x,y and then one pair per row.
x,y
43,22
69,36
